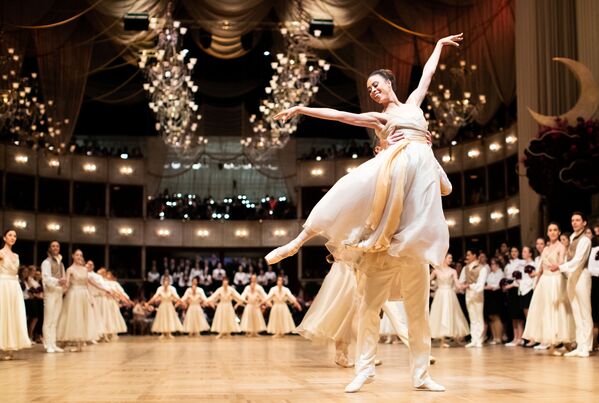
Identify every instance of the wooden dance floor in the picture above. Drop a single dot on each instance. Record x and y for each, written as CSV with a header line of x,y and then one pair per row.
x,y
290,369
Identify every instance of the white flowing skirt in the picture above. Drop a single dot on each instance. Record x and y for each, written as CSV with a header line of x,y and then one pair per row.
x,y
13,319
446,317
225,320
166,320
195,321
550,319
77,321
330,317
280,320
342,213
114,321
252,320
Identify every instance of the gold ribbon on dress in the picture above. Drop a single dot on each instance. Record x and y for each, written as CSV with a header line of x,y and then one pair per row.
x,y
383,199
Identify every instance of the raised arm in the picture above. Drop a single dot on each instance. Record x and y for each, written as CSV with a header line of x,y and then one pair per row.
x,y
419,93
371,120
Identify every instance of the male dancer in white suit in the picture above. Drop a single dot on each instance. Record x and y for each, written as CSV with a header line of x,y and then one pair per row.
x,y
54,280
579,285
472,278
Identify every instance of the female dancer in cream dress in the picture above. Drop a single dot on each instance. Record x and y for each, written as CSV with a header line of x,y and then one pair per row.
x,y
550,320
166,320
195,321
13,319
115,323
280,321
225,320
446,318
252,320
77,321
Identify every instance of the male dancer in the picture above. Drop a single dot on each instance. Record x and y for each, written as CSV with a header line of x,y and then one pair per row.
x,y
579,285
473,277
54,281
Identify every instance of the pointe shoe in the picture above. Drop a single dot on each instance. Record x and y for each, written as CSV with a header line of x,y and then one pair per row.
x,y
282,252
573,353
342,360
430,386
360,380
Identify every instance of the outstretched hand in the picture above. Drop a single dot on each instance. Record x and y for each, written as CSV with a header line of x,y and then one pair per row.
x,y
287,114
452,40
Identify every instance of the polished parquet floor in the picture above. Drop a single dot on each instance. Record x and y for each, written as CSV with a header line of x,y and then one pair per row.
x,y
263,369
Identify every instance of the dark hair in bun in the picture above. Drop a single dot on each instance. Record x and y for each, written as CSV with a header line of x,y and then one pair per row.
x,y
387,75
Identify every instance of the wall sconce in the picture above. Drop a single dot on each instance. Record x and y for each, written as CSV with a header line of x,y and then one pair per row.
x,y
20,224
446,158
89,229
163,232
474,219
316,172
126,170
450,222
496,215
279,232
474,153
90,167
54,163
21,159
349,169
202,233
495,147
241,233
53,227
512,211
511,139
125,231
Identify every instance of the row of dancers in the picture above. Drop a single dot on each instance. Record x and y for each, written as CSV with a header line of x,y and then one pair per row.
x,y
225,321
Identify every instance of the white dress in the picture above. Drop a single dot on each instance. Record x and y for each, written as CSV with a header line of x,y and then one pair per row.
x,y
13,319
280,320
550,319
391,202
446,316
114,321
166,319
225,320
252,320
330,316
195,320
98,289
77,321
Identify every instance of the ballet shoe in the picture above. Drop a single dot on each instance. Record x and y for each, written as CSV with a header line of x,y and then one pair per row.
x,y
378,363
430,386
573,353
342,360
360,380
432,360
282,252
58,349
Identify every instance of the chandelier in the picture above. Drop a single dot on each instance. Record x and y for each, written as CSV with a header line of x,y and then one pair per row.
x,y
296,74
453,105
170,88
24,118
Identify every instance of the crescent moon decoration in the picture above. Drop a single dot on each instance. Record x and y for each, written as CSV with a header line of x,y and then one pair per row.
x,y
587,103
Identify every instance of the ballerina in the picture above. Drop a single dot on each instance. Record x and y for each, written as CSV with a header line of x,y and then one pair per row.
x,y
195,321
280,321
386,214
13,319
225,320
77,321
114,318
446,318
166,320
252,320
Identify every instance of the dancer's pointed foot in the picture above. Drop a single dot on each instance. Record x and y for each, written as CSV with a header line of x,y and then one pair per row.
x,y
342,360
430,386
282,252
360,380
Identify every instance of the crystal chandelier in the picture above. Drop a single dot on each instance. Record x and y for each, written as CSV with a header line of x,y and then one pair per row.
x,y
10,65
454,105
296,74
171,90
